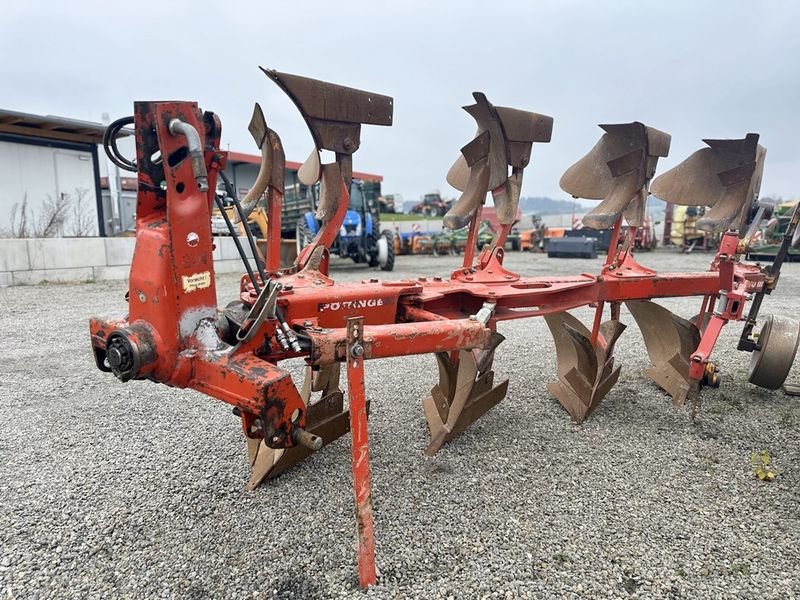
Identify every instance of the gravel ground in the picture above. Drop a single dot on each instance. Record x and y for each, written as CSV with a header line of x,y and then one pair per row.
x,y
136,490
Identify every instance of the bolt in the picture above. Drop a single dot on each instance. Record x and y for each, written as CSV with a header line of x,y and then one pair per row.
x,y
192,239
357,350
115,358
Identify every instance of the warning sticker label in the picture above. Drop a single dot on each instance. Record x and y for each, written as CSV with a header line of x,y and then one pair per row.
x,y
197,281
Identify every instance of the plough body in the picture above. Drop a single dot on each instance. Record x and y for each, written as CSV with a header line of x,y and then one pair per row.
x,y
173,332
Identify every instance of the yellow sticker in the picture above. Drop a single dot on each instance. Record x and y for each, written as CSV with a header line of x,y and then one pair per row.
x,y
198,281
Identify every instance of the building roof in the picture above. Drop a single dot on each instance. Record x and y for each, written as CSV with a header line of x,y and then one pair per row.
x,y
254,159
52,127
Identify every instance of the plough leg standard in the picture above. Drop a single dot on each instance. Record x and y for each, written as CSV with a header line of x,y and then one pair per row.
x,y
173,332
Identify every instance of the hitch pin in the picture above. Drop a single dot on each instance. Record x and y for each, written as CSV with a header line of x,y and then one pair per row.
x,y
302,437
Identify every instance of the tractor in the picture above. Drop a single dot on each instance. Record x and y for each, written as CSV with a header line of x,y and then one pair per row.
x,y
360,237
432,205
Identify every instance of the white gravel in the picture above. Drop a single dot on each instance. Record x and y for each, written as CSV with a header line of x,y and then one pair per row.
x,y
136,490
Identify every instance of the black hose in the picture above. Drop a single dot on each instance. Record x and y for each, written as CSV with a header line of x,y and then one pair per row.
x,y
232,230
302,339
250,240
110,144
232,195
228,185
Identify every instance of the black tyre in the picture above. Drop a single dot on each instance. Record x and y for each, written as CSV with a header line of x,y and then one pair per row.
x,y
372,242
303,234
386,250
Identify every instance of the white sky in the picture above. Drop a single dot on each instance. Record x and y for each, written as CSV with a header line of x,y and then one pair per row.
x,y
693,69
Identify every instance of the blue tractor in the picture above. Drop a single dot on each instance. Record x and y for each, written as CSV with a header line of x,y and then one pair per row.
x,y
360,237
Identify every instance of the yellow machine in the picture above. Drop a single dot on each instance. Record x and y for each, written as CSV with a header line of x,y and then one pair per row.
x,y
257,223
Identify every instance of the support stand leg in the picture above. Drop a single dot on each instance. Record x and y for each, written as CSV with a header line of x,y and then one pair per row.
x,y
358,427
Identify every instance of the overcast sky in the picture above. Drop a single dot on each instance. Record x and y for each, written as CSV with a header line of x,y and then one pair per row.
x,y
693,69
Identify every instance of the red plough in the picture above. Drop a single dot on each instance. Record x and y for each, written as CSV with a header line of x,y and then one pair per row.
x,y
173,332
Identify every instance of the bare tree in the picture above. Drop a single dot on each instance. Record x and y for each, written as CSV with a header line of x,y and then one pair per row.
x,y
53,216
19,228
82,223
57,216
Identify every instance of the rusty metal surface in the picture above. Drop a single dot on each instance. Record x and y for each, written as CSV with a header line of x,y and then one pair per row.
x,y
360,446
670,342
273,161
311,170
334,113
586,372
330,193
777,346
464,393
617,170
173,333
328,346
474,166
510,134
463,210
725,176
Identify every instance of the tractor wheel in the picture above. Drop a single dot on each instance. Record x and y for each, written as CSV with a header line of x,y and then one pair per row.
x,y
372,243
386,250
303,234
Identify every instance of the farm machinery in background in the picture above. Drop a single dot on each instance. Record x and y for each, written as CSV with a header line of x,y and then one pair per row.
x,y
173,332
532,240
681,230
454,243
390,204
768,240
360,236
415,241
432,205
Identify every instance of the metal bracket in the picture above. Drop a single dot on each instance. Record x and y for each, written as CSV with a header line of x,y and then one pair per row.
x,y
263,308
358,428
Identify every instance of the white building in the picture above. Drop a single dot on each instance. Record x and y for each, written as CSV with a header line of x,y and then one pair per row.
x,y
50,172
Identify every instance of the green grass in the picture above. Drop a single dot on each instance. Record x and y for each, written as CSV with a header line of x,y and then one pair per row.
x,y
390,217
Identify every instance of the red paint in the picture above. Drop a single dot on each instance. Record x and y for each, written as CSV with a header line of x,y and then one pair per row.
x,y
360,446
172,311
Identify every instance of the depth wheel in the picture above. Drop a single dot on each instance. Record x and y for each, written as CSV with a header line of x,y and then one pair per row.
x,y
777,347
